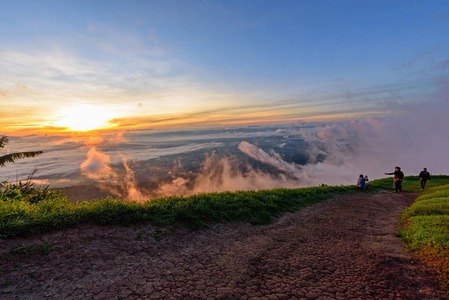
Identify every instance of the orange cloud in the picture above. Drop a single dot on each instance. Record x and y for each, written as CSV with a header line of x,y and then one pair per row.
x,y
3,94
20,87
95,166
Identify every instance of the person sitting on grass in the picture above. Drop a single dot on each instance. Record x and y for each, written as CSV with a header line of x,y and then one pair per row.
x,y
362,182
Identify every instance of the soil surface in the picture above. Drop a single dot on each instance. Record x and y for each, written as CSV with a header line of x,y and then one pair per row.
x,y
343,248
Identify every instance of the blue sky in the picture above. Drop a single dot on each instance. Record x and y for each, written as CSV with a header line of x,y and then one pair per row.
x,y
137,64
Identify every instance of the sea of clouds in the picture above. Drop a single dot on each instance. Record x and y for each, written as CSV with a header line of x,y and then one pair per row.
x,y
414,137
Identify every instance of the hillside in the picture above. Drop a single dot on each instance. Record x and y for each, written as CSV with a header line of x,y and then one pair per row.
x,y
344,247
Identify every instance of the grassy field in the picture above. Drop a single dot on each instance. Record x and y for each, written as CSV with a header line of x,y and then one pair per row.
x,y
425,226
28,210
411,184
32,210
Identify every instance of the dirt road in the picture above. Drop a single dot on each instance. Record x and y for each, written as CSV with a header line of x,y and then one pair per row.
x,y
343,248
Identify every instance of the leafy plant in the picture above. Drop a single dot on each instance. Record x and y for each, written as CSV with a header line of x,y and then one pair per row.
x,y
27,192
10,158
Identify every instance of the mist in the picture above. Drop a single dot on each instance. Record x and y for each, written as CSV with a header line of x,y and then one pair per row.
x,y
414,138
120,185
145,164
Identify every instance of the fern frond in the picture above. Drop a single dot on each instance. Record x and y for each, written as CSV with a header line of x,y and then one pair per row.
x,y
10,158
3,141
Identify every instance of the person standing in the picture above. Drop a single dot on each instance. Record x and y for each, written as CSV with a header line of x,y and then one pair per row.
x,y
398,178
424,176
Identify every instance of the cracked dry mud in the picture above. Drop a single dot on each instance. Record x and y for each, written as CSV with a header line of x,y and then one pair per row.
x,y
343,248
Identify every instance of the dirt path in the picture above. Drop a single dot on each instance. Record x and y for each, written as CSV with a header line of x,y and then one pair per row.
x,y
344,248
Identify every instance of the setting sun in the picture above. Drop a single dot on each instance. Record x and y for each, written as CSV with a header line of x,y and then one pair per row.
x,y
85,118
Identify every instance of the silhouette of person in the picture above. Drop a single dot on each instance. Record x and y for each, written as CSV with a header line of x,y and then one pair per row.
x,y
398,178
424,176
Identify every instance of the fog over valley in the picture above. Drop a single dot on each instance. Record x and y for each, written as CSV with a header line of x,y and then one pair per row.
x,y
142,164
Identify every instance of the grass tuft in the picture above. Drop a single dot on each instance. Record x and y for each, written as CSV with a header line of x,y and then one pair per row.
x,y
46,248
22,248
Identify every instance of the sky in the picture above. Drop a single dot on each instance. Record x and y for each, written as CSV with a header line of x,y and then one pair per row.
x,y
87,65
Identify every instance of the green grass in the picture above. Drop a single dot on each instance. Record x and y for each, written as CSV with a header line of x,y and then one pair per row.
x,y
28,210
21,217
425,226
411,184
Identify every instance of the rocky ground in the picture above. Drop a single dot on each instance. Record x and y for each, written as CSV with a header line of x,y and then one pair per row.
x,y
343,248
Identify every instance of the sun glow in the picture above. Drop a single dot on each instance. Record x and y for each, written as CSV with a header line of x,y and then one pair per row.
x,y
85,118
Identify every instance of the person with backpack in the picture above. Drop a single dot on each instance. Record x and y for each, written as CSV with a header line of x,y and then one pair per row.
x,y
398,178
424,176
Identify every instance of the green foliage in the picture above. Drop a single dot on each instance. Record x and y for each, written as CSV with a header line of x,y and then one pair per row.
x,y
435,206
427,231
411,184
27,210
425,226
21,217
3,141
10,158
382,184
425,222
442,192
26,192
31,210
